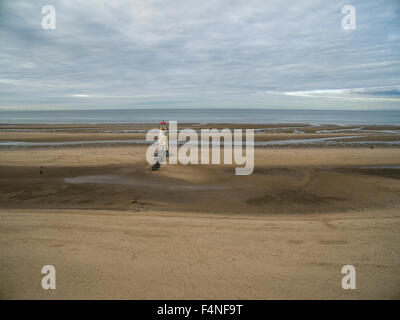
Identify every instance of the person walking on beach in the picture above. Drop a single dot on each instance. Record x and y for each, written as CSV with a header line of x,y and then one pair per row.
x,y
41,171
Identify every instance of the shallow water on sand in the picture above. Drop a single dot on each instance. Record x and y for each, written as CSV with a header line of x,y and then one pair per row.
x,y
110,179
395,167
317,141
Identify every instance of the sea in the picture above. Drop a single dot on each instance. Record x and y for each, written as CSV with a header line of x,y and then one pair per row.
x,y
204,115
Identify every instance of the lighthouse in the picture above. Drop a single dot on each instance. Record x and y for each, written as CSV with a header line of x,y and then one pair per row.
x,y
162,148
163,140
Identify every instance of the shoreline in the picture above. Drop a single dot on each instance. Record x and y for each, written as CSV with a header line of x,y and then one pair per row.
x,y
218,125
271,136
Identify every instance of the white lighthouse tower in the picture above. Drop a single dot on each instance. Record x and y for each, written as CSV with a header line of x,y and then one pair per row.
x,y
163,147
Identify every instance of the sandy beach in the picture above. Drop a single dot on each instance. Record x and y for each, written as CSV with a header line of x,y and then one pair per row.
x,y
294,196
115,229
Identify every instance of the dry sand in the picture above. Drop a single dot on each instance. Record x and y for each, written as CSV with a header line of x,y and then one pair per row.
x,y
122,254
198,232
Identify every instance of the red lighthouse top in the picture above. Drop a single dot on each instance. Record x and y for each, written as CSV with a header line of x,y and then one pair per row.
x,y
163,123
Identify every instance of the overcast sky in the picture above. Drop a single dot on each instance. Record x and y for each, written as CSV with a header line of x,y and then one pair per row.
x,y
201,53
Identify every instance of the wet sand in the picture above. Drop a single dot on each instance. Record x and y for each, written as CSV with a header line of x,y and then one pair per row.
x,y
115,229
284,181
266,135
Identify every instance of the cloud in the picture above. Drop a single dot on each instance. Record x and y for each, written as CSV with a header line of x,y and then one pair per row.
x,y
367,94
124,54
80,95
